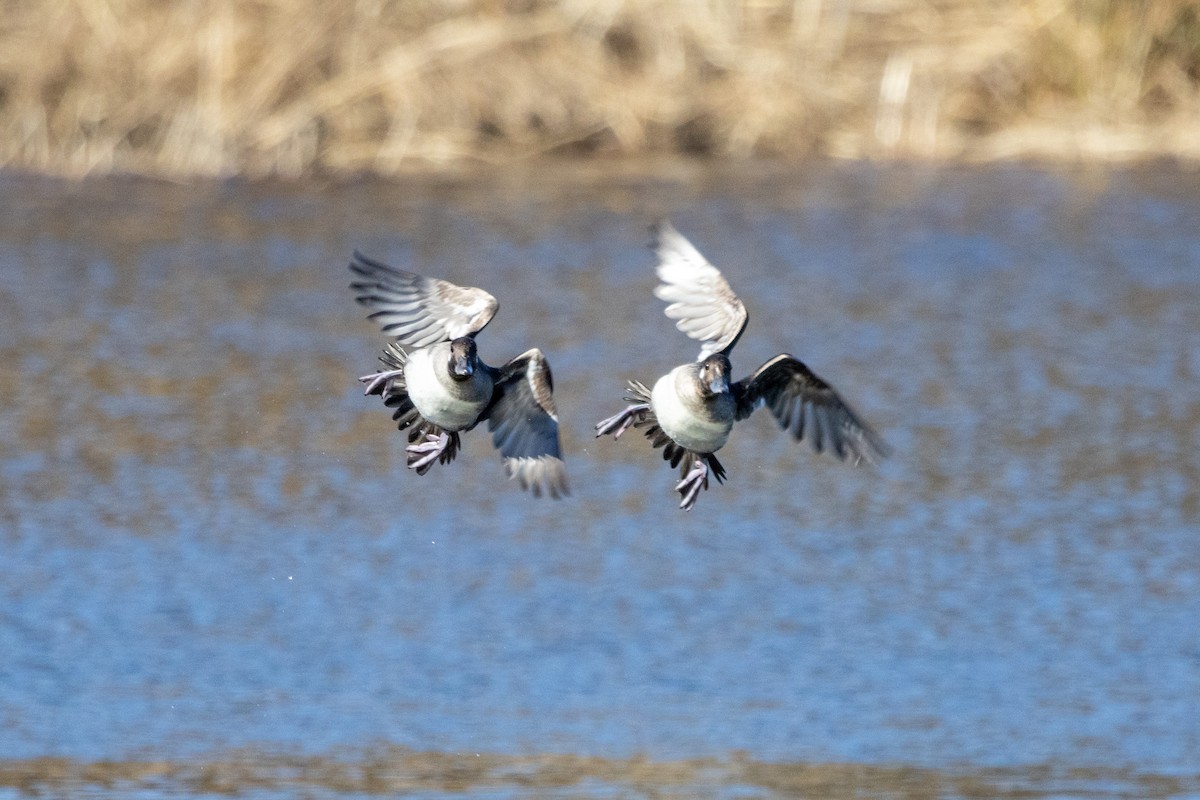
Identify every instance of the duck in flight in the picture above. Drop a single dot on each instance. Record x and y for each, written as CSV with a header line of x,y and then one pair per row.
x,y
439,387
691,410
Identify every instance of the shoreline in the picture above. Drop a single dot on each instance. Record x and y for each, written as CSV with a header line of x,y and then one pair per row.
x,y
392,769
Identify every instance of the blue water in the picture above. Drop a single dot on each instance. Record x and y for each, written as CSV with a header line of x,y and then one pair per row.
x,y
210,540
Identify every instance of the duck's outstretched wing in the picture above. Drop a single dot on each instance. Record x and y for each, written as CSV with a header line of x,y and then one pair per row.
x,y
698,296
524,425
417,311
808,408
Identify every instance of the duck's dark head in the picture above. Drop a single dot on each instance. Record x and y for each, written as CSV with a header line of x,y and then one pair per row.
x,y
462,358
713,374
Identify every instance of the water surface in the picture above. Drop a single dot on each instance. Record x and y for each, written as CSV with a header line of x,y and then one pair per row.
x,y
213,553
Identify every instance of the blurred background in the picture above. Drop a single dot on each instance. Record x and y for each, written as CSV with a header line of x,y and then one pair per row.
x,y
293,87
980,221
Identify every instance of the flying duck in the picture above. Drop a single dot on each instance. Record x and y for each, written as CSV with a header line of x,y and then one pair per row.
x,y
439,387
691,410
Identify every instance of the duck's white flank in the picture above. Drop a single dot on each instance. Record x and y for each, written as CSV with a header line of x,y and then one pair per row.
x,y
438,397
691,424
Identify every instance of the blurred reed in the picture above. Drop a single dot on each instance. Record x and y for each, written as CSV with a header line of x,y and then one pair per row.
x,y
290,87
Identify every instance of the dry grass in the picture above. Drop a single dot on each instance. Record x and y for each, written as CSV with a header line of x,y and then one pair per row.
x,y
394,771
203,87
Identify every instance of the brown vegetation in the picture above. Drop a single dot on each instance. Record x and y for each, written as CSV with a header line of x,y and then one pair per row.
x,y
397,771
203,87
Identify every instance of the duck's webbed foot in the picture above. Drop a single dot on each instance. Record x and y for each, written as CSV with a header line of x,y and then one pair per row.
x,y
377,382
619,423
421,456
695,480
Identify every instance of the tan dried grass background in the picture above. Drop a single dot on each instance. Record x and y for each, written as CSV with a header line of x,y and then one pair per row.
x,y
290,87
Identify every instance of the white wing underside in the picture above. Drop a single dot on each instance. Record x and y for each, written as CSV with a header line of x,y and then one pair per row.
x,y
698,296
